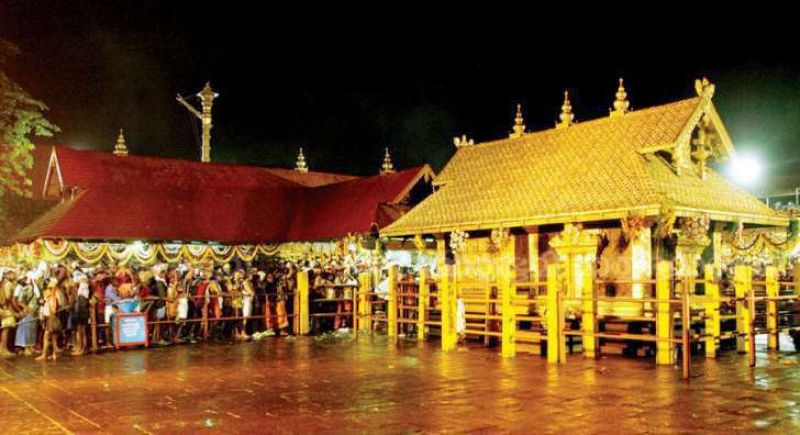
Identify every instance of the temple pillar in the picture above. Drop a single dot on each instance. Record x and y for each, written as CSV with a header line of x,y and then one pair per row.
x,y
742,282
772,286
391,310
712,296
664,317
422,303
506,276
641,262
577,250
575,247
533,257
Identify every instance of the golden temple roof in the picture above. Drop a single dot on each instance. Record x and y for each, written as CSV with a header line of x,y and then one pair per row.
x,y
595,170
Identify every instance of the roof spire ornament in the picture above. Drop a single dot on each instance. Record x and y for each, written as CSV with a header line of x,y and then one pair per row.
x,y
567,117
301,165
462,141
120,149
704,88
621,103
519,127
387,167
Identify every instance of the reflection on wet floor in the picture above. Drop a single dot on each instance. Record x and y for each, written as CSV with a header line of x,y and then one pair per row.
x,y
366,384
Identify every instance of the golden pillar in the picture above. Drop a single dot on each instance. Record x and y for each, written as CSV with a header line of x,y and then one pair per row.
x,y
422,302
711,275
448,306
575,247
664,318
303,302
391,309
771,273
743,282
589,316
533,259
506,276
554,318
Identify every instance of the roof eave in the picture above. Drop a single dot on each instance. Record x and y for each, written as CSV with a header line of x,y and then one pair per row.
x,y
555,218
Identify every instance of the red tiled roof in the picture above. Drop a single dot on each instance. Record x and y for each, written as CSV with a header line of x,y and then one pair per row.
x,y
352,206
310,178
148,198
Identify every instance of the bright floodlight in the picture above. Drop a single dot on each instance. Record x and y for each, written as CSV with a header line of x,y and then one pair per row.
x,y
745,170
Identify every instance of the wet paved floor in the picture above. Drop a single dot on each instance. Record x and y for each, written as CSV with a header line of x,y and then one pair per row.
x,y
366,385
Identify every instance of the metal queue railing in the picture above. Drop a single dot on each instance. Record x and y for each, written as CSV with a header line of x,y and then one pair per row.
x,y
205,320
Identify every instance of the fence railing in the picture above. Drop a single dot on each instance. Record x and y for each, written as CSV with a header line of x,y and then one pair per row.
x,y
670,318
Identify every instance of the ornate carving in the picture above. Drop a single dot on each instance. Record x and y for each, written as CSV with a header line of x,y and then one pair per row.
x,y
574,238
458,241
704,88
462,141
694,231
666,220
632,226
702,146
498,239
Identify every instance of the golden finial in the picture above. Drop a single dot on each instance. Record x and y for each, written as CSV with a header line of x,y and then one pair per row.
x,y
704,87
387,167
120,149
301,162
518,127
621,104
462,141
566,116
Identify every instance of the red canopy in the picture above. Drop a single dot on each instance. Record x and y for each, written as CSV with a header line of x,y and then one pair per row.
x,y
106,197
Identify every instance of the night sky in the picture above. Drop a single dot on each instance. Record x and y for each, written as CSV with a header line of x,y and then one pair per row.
x,y
344,88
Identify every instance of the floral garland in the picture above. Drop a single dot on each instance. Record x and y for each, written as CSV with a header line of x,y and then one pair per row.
x,y
458,241
144,253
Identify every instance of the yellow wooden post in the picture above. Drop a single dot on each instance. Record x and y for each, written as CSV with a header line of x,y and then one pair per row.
x,y
422,303
391,309
712,309
446,293
204,317
664,321
93,319
742,283
556,348
509,323
589,317
364,306
751,325
686,325
302,314
771,273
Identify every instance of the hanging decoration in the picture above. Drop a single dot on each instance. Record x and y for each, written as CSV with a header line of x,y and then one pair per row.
x,y
695,229
139,252
497,239
458,241
666,221
632,226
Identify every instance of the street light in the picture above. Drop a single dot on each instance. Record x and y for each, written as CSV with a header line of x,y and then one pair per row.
x,y
745,170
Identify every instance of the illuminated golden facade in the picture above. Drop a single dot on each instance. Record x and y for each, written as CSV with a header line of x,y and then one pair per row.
x,y
604,193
